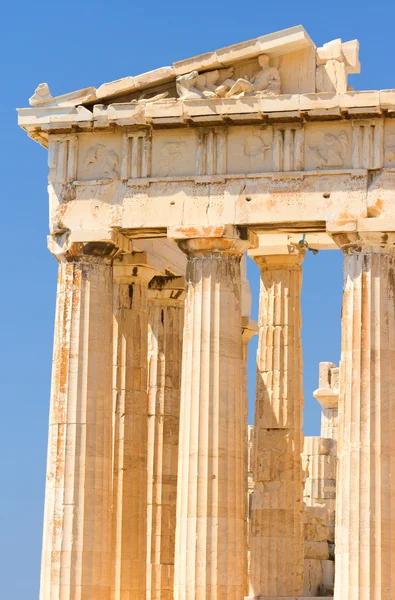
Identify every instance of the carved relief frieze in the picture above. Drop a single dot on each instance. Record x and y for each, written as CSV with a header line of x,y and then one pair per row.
x,y
101,162
390,152
99,157
249,149
174,153
389,144
330,153
211,151
171,153
328,146
256,146
288,147
367,143
136,155
62,158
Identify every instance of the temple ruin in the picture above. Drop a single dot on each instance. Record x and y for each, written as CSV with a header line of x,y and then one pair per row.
x,y
159,184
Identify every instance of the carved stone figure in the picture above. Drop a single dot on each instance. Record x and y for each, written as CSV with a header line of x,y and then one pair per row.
x,y
204,85
170,153
331,155
143,100
219,83
207,83
335,61
102,160
390,150
187,86
41,94
255,146
225,81
266,80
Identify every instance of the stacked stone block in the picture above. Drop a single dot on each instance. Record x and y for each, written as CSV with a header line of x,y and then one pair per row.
x,y
276,532
319,463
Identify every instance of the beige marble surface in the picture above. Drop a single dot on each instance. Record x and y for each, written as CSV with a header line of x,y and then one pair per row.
x,y
276,530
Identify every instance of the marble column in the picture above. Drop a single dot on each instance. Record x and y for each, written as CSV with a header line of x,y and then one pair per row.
x,y
276,536
210,532
249,329
129,518
165,328
365,500
76,541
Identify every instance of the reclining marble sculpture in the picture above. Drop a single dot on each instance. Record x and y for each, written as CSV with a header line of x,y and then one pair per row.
x,y
219,83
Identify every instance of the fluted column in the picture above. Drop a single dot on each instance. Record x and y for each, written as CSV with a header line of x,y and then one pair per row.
x,y
129,518
210,533
76,542
365,499
249,329
165,327
276,537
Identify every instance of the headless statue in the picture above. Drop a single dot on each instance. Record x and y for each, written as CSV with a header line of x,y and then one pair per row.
x,y
266,80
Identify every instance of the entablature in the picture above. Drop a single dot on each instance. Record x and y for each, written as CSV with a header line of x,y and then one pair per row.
x,y
287,172
265,134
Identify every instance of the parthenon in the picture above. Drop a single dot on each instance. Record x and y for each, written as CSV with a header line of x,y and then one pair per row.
x,y
159,185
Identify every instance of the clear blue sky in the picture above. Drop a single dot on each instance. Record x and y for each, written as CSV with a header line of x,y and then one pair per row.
x,y
73,45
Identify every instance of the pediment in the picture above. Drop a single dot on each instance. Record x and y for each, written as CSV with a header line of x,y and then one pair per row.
x,y
284,62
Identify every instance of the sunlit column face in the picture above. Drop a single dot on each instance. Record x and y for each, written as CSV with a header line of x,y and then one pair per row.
x,y
210,556
365,527
276,526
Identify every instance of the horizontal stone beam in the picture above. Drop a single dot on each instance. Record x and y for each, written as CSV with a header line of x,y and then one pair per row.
x,y
282,243
39,121
301,203
170,260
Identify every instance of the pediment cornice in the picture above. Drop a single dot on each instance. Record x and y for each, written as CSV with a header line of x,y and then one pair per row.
x,y
289,54
38,122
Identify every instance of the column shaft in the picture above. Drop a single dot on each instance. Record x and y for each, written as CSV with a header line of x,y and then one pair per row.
x,y
365,506
276,537
165,326
76,543
249,329
210,532
129,521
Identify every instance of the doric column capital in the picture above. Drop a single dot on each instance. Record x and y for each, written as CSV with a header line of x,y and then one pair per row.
x,y
327,398
328,392
212,240
249,328
358,236
95,245
288,257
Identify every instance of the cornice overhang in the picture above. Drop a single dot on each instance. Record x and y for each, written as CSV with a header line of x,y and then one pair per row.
x,y
39,121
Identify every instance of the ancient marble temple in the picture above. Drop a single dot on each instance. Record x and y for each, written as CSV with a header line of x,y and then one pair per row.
x,y
159,185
